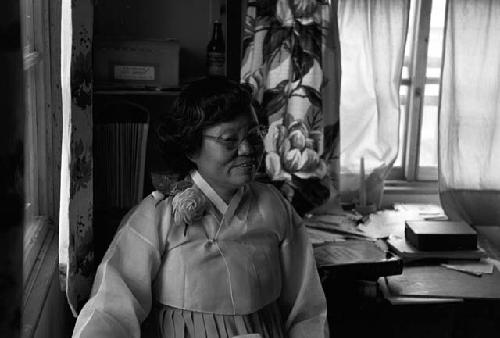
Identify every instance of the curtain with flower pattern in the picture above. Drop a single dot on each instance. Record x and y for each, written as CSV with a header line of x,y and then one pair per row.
x,y
289,47
76,257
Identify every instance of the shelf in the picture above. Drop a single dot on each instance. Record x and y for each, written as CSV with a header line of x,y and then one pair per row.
x,y
166,92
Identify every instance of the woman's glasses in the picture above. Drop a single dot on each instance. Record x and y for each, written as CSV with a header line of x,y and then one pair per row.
x,y
254,137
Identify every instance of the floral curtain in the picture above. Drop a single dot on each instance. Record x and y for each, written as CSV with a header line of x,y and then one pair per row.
x,y
76,258
285,44
469,118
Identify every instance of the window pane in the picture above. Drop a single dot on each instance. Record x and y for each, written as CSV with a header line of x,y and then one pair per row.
x,y
429,131
431,95
428,137
433,72
404,87
402,124
403,94
403,98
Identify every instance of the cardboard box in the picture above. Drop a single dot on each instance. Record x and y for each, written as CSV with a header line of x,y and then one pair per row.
x,y
136,64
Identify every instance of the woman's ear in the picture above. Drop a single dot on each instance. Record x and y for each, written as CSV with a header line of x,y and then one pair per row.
x,y
194,157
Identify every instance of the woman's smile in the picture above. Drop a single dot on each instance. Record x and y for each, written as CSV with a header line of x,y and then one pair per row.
x,y
249,163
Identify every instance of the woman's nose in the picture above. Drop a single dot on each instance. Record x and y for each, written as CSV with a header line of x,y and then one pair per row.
x,y
244,148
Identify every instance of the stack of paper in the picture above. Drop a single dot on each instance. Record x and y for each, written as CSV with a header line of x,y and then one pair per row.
x,y
408,253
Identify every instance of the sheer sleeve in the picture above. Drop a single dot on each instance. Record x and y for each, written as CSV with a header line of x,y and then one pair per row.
x,y
302,300
121,295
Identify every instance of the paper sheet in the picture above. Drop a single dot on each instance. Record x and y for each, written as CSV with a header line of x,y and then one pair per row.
x,y
421,211
383,223
476,268
392,222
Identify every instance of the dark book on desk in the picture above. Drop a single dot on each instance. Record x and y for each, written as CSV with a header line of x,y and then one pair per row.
x,y
440,235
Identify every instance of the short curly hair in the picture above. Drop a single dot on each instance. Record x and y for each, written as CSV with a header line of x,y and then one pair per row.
x,y
200,105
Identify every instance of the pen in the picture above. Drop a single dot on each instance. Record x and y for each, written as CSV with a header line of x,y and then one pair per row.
x,y
472,273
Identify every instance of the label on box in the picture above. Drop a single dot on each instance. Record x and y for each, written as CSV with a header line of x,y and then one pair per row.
x,y
143,73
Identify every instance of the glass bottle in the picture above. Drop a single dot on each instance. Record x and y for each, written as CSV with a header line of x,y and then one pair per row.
x,y
216,52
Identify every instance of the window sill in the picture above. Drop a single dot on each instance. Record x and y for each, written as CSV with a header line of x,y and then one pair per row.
x,y
36,230
37,285
418,192
415,187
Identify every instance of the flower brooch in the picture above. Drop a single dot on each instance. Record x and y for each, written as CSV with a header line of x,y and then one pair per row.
x,y
188,205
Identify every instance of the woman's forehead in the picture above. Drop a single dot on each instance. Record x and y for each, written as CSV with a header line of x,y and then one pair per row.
x,y
239,123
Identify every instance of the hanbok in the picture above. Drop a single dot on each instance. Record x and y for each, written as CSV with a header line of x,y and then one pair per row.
x,y
241,268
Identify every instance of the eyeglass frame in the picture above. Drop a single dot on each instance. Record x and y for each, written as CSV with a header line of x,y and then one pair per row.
x,y
262,131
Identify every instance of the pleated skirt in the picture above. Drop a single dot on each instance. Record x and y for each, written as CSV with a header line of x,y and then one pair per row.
x,y
169,322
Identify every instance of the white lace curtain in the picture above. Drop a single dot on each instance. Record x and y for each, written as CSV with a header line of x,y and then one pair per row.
x,y
372,39
469,124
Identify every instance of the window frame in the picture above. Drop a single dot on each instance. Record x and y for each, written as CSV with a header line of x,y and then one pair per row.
x,y
409,170
39,37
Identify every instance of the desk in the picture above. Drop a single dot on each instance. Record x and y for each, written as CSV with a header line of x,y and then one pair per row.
x,y
440,282
425,301
433,301
489,239
358,309
422,281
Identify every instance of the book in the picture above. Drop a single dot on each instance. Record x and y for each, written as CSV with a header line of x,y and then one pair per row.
x,y
409,253
440,235
360,259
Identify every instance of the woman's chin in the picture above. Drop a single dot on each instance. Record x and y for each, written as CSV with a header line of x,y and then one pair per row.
x,y
243,174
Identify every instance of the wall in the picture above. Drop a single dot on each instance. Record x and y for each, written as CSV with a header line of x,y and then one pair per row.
x,y
11,169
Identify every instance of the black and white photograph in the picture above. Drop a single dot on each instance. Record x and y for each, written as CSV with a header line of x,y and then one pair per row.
x,y
250,169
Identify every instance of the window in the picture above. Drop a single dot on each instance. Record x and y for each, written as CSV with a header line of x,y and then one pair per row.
x,y
38,160
40,27
419,93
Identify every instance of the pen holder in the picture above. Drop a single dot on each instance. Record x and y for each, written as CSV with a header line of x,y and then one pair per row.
x,y
365,209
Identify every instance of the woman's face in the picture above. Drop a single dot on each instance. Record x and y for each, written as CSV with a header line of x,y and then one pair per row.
x,y
230,154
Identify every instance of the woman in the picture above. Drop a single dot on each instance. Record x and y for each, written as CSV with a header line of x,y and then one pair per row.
x,y
218,255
